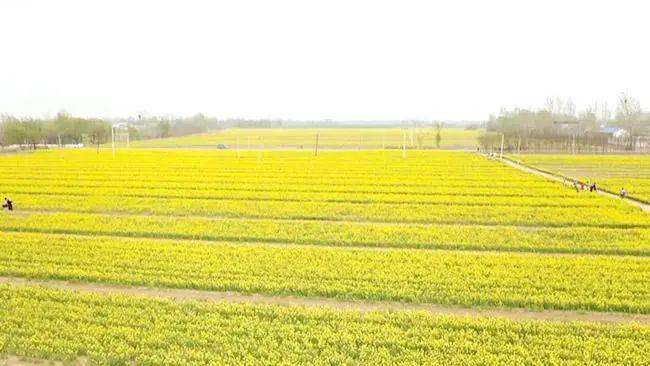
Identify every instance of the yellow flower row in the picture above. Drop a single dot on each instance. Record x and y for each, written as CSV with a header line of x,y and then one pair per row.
x,y
594,240
51,324
454,278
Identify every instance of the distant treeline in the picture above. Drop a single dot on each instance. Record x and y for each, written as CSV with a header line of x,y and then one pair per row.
x,y
65,129
559,127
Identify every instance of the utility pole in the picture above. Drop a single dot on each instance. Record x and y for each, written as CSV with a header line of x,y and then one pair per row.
x,y
113,140
503,136
573,145
316,149
60,147
403,143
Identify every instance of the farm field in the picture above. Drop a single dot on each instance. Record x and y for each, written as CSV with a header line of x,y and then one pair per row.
x,y
52,324
452,229
610,172
328,138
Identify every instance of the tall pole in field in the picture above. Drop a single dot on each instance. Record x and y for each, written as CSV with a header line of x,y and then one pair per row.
x,y
573,145
403,143
316,149
503,136
113,140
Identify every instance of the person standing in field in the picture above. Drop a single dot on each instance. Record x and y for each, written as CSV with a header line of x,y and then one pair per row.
x,y
575,185
623,193
8,204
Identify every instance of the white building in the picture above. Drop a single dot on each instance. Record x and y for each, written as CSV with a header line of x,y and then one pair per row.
x,y
614,132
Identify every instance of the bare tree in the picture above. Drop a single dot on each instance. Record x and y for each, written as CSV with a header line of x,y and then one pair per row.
x,y
550,105
604,114
628,113
569,108
628,108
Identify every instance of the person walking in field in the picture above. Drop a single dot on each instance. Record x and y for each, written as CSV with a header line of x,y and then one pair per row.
x,y
593,187
623,193
8,204
575,185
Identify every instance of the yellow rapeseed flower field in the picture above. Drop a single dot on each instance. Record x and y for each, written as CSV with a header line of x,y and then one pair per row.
x,y
450,229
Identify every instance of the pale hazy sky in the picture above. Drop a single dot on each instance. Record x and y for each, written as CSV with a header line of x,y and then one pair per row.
x,y
329,59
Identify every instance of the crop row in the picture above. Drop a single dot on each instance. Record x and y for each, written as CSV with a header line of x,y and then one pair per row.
x,y
199,180
384,177
550,191
158,167
451,278
355,164
624,163
585,200
390,170
52,324
358,160
343,211
594,240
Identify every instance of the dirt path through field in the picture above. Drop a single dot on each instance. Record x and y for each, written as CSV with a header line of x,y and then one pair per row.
x,y
10,360
558,178
362,306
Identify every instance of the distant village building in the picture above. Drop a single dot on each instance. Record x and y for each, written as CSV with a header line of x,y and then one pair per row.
x,y
614,136
568,128
613,132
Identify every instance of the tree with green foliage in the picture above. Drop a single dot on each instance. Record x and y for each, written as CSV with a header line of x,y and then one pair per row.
x,y
33,132
98,132
164,129
489,140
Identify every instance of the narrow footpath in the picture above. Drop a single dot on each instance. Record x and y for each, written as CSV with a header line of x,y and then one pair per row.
x,y
532,170
361,306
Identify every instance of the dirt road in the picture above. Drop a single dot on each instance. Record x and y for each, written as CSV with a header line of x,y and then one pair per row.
x,y
558,178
